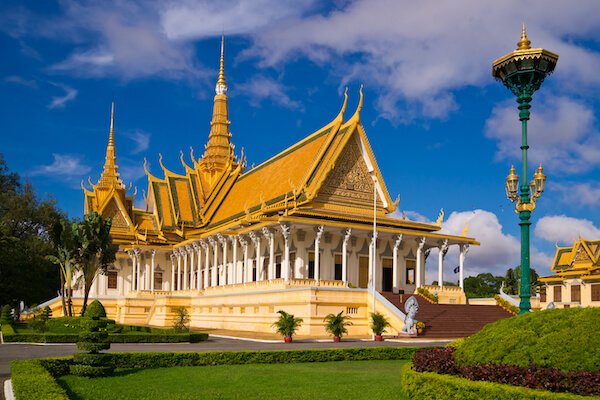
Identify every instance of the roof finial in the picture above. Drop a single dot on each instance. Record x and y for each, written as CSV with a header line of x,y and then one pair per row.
x,y
221,83
360,105
524,43
111,135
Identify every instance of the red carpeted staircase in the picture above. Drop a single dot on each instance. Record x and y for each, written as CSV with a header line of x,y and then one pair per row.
x,y
449,320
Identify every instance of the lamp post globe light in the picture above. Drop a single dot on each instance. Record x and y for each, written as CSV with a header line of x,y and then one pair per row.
x,y
522,71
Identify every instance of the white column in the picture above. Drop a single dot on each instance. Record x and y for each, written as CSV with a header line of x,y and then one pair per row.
x,y
179,251
234,273
464,249
120,279
172,285
214,269
190,275
152,254
285,268
223,241
206,262
244,245
373,262
256,241
420,263
198,250
184,255
138,255
347,236
132,280
147,267
441,254
395,274
320,230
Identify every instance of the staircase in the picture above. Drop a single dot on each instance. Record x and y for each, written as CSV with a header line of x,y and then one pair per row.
x,y
449,320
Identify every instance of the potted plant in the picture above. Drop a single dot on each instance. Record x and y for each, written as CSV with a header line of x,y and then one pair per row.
x,y
286,325
378,324
420,326
336,324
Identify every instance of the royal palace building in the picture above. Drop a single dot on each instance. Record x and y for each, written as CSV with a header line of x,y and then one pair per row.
x,y
235,245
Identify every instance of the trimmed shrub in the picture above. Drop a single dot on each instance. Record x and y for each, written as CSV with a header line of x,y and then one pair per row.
x,y
91,371
112,338
46,313
6,316
437,360
506,305
93,340
440,360
432,386
159,360
567,339
31,381
95,310
428,295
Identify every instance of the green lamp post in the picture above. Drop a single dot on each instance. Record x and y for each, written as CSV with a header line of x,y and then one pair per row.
x,y
522,72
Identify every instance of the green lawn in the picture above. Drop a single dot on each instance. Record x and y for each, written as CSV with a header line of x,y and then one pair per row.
x,y
329,380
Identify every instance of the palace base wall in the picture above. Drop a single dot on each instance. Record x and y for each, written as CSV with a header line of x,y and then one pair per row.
x,y
247,307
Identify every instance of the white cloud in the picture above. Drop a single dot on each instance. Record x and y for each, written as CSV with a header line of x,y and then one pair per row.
x,y
60,101
201,19
19,80
262,88
63,165
585,194
561,134
141,140
498,251
565,230
410,215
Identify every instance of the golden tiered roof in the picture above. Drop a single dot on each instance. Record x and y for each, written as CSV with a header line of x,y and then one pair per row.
x,y
582,260
329,177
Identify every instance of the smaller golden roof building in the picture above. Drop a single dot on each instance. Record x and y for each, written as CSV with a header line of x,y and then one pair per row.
x,y
576,278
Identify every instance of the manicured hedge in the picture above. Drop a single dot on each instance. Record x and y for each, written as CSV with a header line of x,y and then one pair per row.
x,y
567,339
112,338
31,381
432,386
60,365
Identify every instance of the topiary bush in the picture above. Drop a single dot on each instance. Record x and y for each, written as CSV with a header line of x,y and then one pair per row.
x,y
6,315
566,339
95,310
92,339
46,313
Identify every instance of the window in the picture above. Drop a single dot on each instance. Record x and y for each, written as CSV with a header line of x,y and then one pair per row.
x,y
411,266
338,267
558,294
596,292
387,275
112,279
543,294
311,265
576,293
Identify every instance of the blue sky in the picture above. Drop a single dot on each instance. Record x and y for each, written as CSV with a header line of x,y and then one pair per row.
x,y
444,133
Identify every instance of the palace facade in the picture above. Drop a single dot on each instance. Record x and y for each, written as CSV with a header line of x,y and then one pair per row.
x,y
576,278
235,245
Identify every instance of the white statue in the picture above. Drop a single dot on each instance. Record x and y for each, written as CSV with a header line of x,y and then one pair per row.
x,y
411,307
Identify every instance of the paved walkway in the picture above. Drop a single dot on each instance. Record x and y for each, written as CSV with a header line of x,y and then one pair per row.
x,y
10,352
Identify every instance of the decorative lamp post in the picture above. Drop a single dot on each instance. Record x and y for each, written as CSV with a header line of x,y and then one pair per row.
x,y
523,71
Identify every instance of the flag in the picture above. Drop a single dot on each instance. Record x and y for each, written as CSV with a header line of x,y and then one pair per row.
x,y
457,270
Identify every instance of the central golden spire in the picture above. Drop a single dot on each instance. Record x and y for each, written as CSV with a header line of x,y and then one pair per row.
x,y
110,174
219,150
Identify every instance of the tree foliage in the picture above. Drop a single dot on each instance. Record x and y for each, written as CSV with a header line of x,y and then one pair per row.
x,y
25,225
482,285
95,250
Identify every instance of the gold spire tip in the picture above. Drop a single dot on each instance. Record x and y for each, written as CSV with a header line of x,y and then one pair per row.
x,y
524,43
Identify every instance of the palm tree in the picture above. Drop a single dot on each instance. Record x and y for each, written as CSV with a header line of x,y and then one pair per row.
x,y
66,249
286,325
95,250
378,324
336,324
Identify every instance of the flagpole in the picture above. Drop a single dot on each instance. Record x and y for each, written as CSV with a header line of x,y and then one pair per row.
x,y
374,274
